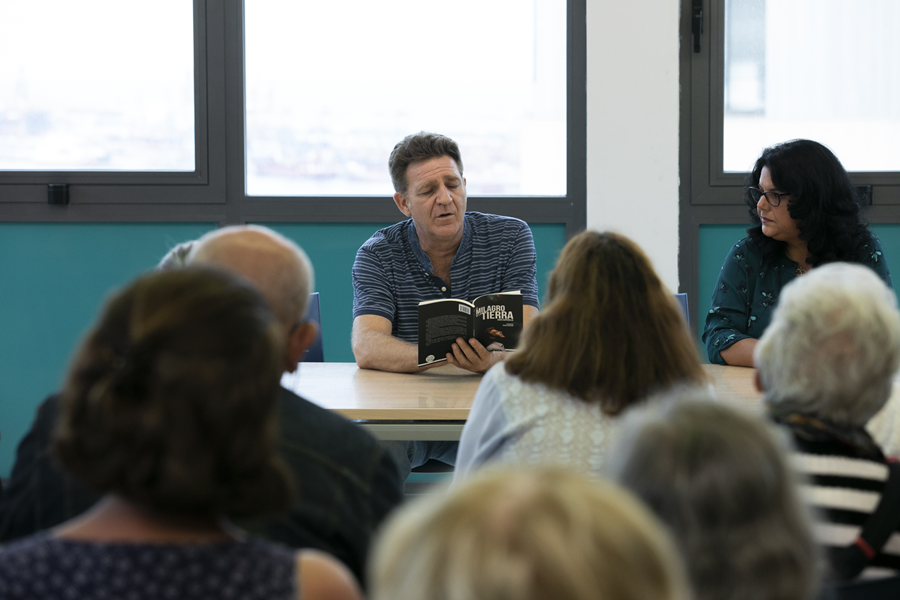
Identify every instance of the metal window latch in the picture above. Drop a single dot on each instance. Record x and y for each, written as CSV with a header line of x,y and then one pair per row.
x,y
58,193
697,23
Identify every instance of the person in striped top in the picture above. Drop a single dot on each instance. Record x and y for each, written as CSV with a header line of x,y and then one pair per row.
x,y
440,252
826,364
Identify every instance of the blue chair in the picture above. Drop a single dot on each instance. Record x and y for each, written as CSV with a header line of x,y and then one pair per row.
x,y
314,353
683,301
862,589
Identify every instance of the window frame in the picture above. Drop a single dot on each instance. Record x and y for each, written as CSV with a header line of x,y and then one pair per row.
x,y
216,190
707,194
103,187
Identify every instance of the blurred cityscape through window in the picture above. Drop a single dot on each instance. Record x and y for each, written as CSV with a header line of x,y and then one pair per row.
x,y
332,86
827,70
103,85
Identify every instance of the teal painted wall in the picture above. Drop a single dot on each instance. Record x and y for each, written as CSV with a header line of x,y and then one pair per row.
x,y
53,280
54,277
716,240
331,248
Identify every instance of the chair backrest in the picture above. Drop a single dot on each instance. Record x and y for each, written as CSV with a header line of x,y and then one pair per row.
x,y
862,589
314,353
683,301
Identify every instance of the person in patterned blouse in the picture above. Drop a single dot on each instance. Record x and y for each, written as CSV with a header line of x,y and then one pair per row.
x,y
611,336
805,213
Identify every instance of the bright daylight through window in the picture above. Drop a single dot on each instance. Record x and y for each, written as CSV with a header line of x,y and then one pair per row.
x,y
103,85
826,70
332,86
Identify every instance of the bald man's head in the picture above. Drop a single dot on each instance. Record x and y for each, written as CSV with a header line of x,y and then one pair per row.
x,y
278,268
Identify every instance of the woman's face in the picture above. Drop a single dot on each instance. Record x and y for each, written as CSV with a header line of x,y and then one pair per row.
x,y
776,221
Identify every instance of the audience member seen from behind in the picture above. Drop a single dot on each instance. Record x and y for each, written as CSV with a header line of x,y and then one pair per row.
x,y
826,365
805,212
349,482
177,257
528,535
720,480
610,335
168,410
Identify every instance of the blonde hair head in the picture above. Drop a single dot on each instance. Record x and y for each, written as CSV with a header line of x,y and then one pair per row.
x,y
526,535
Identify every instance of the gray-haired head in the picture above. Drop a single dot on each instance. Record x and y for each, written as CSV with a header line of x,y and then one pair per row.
x,y
720,480
176,257
278,267
833,345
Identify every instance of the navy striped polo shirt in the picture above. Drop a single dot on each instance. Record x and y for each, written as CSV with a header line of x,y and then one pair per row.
x,y
392,273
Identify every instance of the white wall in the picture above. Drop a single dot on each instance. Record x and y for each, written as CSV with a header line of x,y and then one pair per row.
x,y
632,125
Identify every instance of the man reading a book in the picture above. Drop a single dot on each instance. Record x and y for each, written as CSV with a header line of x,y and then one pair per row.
x,y
440,252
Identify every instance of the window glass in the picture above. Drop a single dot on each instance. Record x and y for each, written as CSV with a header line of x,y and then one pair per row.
x,y
99,85
826,70
332,86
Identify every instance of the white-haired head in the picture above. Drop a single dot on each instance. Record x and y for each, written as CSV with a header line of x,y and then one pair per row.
x,y
833,346
275,265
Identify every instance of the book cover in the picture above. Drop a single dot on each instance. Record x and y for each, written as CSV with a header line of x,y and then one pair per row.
x,y
495,320
498,321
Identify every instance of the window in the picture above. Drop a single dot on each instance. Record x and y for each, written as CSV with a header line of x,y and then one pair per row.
x,y
825,70
112,99
773,70
325,108
287,111
82,88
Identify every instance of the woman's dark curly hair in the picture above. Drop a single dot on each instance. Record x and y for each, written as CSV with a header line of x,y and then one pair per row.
x,y
170,399
823,202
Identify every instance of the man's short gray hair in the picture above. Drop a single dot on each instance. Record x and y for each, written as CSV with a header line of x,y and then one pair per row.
x,y
176,258
277,266
833,346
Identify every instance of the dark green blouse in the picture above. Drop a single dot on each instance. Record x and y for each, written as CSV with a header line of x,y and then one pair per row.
x,y
747,291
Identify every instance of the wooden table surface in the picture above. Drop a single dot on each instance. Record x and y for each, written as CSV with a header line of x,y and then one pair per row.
x,y
440,394
435,404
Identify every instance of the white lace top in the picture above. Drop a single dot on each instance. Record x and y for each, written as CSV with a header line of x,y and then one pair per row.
x,y
523,423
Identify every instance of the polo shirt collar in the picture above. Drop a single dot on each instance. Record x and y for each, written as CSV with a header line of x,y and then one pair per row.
x,y
413,238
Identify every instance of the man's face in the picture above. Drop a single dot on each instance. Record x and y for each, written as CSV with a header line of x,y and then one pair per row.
x,y
435,199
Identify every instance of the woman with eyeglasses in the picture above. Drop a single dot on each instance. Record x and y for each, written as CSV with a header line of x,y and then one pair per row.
x,y
805,213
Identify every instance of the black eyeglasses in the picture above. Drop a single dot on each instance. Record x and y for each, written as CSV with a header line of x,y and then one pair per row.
x,y
773,198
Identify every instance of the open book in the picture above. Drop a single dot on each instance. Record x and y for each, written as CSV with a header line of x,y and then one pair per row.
x,y
495,320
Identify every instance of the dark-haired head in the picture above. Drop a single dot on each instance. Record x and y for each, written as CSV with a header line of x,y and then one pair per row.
x,y
419,147
610,331
822,201
170,398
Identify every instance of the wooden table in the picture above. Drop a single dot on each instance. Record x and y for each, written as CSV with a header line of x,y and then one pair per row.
x,y
434,405
735,385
